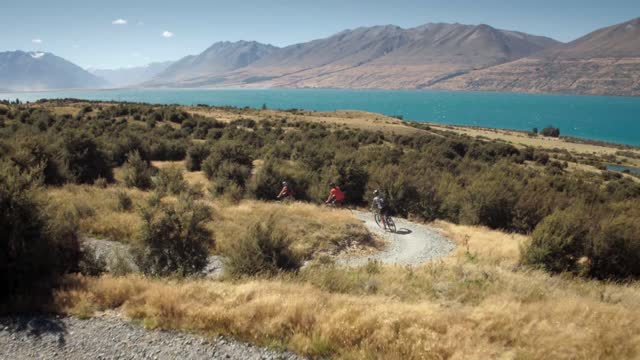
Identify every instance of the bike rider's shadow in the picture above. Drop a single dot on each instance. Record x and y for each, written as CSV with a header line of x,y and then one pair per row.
x,y
403,231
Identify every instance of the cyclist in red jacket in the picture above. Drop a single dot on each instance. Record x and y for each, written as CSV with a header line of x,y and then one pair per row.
x,y
336,196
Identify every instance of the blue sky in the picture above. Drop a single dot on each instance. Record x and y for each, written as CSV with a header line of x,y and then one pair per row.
x,y
88,32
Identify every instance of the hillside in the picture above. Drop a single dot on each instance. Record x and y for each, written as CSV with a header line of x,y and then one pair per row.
x,y
218,59
367,57
123,77
33,71
606,61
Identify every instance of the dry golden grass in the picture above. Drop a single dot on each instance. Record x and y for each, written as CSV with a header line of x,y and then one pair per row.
x,y
558,323
312,229
474,304
97,210
350,118
519,138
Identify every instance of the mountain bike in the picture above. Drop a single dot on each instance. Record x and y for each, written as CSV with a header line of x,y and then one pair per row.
x,y
391,225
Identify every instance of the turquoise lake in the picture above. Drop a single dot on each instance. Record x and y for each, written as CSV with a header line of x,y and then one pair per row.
x,y
612,119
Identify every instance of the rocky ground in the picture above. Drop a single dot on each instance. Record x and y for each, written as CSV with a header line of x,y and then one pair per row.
x,y
108,337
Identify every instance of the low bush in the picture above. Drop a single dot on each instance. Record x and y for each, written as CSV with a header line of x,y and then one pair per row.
x,y
559,241
264,249
38,243
137,171
123,201
195,156
614,246
174,238
85,161
169,180
230,176
225,152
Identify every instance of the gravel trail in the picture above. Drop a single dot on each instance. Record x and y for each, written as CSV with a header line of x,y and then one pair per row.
x,y
411,244
108,337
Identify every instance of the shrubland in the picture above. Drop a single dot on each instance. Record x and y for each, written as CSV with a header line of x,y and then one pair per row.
x,y
567,250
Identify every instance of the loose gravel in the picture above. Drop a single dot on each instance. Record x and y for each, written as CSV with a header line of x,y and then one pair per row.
x,y
108,337
411,244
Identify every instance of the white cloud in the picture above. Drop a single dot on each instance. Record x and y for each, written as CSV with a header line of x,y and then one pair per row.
x,y
167,34
37,41
119,22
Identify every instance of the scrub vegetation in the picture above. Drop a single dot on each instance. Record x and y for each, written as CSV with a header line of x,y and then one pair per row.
x,y
541,243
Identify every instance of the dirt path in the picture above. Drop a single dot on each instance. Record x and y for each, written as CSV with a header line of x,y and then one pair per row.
x,y
411,244
109,337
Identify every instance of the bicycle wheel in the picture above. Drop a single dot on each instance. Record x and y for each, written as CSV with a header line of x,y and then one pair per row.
x,y
391,225
376,217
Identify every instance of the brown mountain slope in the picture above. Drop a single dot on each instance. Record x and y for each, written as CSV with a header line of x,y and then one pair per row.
x,y
220,58
382,57
604,62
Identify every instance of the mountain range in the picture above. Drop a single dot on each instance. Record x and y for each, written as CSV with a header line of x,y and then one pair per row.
x,y
131,76
431,56
34,71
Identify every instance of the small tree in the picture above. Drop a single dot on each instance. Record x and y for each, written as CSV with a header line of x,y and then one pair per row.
x,y
264,249
551,131
174,238
137,171
85,161
195,156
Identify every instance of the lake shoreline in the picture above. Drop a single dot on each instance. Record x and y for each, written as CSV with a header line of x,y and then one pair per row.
x,y
598,120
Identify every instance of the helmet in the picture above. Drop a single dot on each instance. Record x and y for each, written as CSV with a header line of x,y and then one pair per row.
x,y
375,192
284,183
332,184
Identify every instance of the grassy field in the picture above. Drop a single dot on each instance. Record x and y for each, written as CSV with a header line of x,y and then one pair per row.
x,y
475,304
521,139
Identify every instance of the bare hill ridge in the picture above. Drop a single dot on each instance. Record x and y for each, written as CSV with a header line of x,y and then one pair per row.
x,y
376,57
604,62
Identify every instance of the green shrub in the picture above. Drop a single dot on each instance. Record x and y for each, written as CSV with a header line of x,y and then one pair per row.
x,y
38,243
615,248
559,241
550,131
195,156
169,180
123,201
33,153
137,172
225,152
230,175
264,249
85,161
174,238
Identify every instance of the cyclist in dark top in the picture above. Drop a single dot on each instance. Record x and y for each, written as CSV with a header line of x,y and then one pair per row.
x,y
381,207
286,193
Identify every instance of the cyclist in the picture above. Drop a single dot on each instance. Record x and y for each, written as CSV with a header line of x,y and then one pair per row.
x,y
336,196
286,193
381,207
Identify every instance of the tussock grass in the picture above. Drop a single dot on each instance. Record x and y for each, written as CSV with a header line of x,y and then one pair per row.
x,y
312,229
98,210
567,322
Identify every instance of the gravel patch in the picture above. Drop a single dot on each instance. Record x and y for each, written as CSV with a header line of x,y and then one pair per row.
x,y
411,244
108,337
